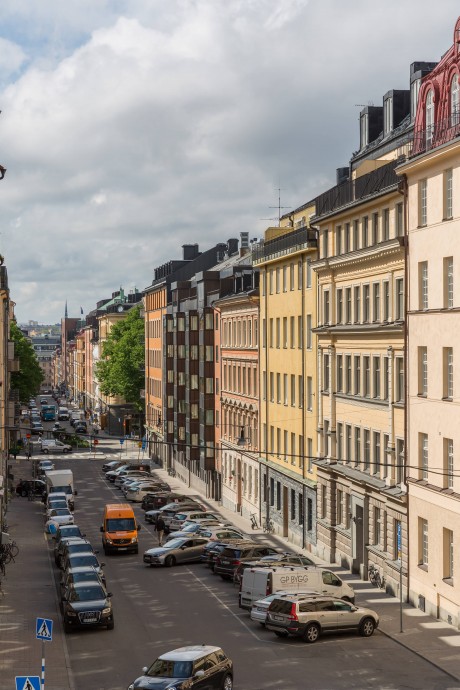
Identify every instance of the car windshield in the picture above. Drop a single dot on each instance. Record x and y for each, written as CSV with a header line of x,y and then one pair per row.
x,y
87,593
88,559
121,525
174,544
191,528
60,511
73,531
162,668
75,548
57,505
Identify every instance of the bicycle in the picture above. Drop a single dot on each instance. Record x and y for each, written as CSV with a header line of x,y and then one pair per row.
x,y
268,526
374,576
171,472
254,524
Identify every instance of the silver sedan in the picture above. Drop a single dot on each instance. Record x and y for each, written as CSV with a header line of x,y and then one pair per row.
x,y
185,550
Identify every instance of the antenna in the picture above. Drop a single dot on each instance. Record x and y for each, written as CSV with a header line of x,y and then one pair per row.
x,y
279,207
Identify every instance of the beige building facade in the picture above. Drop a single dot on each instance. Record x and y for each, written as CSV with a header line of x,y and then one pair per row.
x,y
432,177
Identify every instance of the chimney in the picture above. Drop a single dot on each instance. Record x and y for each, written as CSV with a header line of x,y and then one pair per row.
x,y
342,175
244,243
232,246
190,251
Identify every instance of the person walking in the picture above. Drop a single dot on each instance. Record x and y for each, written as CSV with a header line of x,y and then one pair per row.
x,y
160,528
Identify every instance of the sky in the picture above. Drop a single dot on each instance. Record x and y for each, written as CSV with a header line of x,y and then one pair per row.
x,y
131,127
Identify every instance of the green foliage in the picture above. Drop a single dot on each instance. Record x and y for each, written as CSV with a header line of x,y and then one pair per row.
x,y
29,377
120,370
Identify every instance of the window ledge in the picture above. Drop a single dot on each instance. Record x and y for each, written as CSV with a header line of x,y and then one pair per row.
x,y
448,581
447,399
421,395
422,566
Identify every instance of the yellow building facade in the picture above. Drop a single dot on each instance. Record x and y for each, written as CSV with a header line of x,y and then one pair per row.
x,y
288,377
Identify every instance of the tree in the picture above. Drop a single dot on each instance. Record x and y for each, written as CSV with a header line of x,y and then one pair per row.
x,y
120,370
29,377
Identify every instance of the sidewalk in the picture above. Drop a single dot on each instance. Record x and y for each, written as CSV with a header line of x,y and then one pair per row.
x,y
436,641
24,599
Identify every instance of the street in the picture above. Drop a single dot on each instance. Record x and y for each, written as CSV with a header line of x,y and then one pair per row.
x,y
159,609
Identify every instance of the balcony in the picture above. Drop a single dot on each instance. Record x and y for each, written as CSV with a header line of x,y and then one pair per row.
x,y
362,188
442,132
296,240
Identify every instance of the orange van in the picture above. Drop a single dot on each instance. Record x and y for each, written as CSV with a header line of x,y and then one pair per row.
x,y
119,529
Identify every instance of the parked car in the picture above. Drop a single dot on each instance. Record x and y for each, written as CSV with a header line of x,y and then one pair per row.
x,y
61,537
191,528
63,414
54,505
260,607
129,474
36,428
87,559
229,559
310,616
62,516
178,519
44,466
54,446
158,499
81,573
80,428
288,559
192,667
87,604
36,486
168,510
137,492
219,533
69,547
214,548
112,465
186,550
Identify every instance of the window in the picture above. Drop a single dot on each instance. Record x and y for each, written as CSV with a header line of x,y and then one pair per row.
x,y
423,284
399,219
338,239
365,231
301,391
348,442
308,273
272,342
300,332
422,203
423,542
377,526
285,445
448,282
339,441
366,377
278,388
399,299
326,303
348,374
364,129
293,456
386,224
323,501
277,280
386,369
448,373
367,449
423,456
309,332
339,507
339,300
376,377
285,332
299,275
347,237
357,381
375,228
309,392
357,303
448,194
291,276
422,371
326,373
357,445
325,244
399,379
355,235
272,387
448,469
386,300
376,452
414,92
285,278
340,373
348,305
292,331
454,101
429,118
447,554
292,390
278,332
293,506
376,301
366,303
286,389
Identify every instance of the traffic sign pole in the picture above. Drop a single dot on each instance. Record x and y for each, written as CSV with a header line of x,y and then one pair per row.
x,y
43,665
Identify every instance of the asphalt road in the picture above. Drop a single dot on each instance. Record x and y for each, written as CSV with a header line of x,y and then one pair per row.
x,y
157,610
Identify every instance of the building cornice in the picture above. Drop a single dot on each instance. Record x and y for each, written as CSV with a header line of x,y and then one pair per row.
x,y
381,251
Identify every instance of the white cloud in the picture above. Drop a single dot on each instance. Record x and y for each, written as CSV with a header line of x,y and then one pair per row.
x,y
126,135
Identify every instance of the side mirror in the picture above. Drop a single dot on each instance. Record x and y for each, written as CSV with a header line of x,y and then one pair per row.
x,y
102,565
145,669
109,594
183,547
199,674
97,551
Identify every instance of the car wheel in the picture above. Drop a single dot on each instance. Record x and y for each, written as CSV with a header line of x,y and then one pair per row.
x,y
111,625
280,633
367,627
170,561
23,494
46,451
228,683
65,450
311,633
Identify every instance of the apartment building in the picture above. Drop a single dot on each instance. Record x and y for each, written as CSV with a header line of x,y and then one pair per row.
x,y
432,180
287,381
237,387
362,498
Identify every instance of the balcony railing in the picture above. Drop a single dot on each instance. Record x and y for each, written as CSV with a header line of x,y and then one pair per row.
x,y
285,244
441,132
359,189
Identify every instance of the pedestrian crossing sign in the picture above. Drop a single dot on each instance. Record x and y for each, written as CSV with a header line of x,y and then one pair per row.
x,y
44,629
27,683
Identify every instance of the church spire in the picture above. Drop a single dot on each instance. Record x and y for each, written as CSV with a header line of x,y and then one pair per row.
x,y
66,313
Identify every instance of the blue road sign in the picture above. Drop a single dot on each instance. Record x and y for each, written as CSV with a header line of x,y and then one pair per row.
x,y
44,629
27,683
122,440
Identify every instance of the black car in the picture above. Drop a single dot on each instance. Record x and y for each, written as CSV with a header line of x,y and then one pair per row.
x,y
214,548
87,604
156,500
197,666
80,428
35,486
71,546
81,573
230,558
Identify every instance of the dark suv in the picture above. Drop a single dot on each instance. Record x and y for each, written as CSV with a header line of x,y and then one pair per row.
x,y
87,604
230,558
197,666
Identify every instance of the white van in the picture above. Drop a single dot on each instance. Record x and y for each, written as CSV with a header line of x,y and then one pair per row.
x,y
258,583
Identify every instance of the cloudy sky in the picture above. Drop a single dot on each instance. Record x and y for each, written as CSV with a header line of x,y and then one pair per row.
x,y
130,127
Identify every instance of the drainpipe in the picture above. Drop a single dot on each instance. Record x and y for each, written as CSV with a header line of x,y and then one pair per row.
x,y
403,189
304,287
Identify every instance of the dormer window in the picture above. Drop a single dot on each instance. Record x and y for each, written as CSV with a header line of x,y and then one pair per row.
x,y
429,118
388,115
364,128
414,91
454,101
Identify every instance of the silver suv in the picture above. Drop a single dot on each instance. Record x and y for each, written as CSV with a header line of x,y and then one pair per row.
x,y
310,616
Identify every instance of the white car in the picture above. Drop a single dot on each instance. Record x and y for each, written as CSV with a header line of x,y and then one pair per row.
x,y
134,474
179,518
54,446
45,465
137,492
58,517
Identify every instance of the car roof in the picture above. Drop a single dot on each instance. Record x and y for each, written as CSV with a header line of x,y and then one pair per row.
x,y
312,596
81,568
191,653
